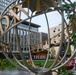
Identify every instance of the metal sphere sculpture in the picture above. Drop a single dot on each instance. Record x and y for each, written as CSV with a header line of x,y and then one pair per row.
x,y
12,15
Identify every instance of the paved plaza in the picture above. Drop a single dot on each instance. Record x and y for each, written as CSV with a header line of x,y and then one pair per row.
x,y
6,72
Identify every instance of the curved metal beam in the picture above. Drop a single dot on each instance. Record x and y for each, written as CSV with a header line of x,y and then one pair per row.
x,y
48,40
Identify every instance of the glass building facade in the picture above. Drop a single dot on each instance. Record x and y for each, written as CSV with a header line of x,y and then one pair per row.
x,y
23,34
4,4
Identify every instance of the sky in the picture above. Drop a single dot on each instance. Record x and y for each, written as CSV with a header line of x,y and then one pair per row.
x,y
54,19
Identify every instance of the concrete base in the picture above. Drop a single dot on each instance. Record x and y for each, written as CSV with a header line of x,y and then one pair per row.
x,y
41,73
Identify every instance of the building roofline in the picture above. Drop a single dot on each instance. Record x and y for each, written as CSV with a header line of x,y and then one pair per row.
x,y
32,24
27,23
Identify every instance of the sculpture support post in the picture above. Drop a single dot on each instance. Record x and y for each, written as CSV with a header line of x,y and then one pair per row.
x,y
16,20
47,73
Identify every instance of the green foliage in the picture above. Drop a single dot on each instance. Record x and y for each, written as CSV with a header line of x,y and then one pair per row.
x,y
62,71
72,18
40,63
5,64
68,73
74,38
67,6
69,52
52,53
68,11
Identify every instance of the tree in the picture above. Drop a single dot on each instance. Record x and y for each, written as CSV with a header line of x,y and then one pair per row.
x,y
52,52
71,15
69,52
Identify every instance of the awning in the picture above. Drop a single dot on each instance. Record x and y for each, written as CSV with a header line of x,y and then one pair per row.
x,y
39,5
